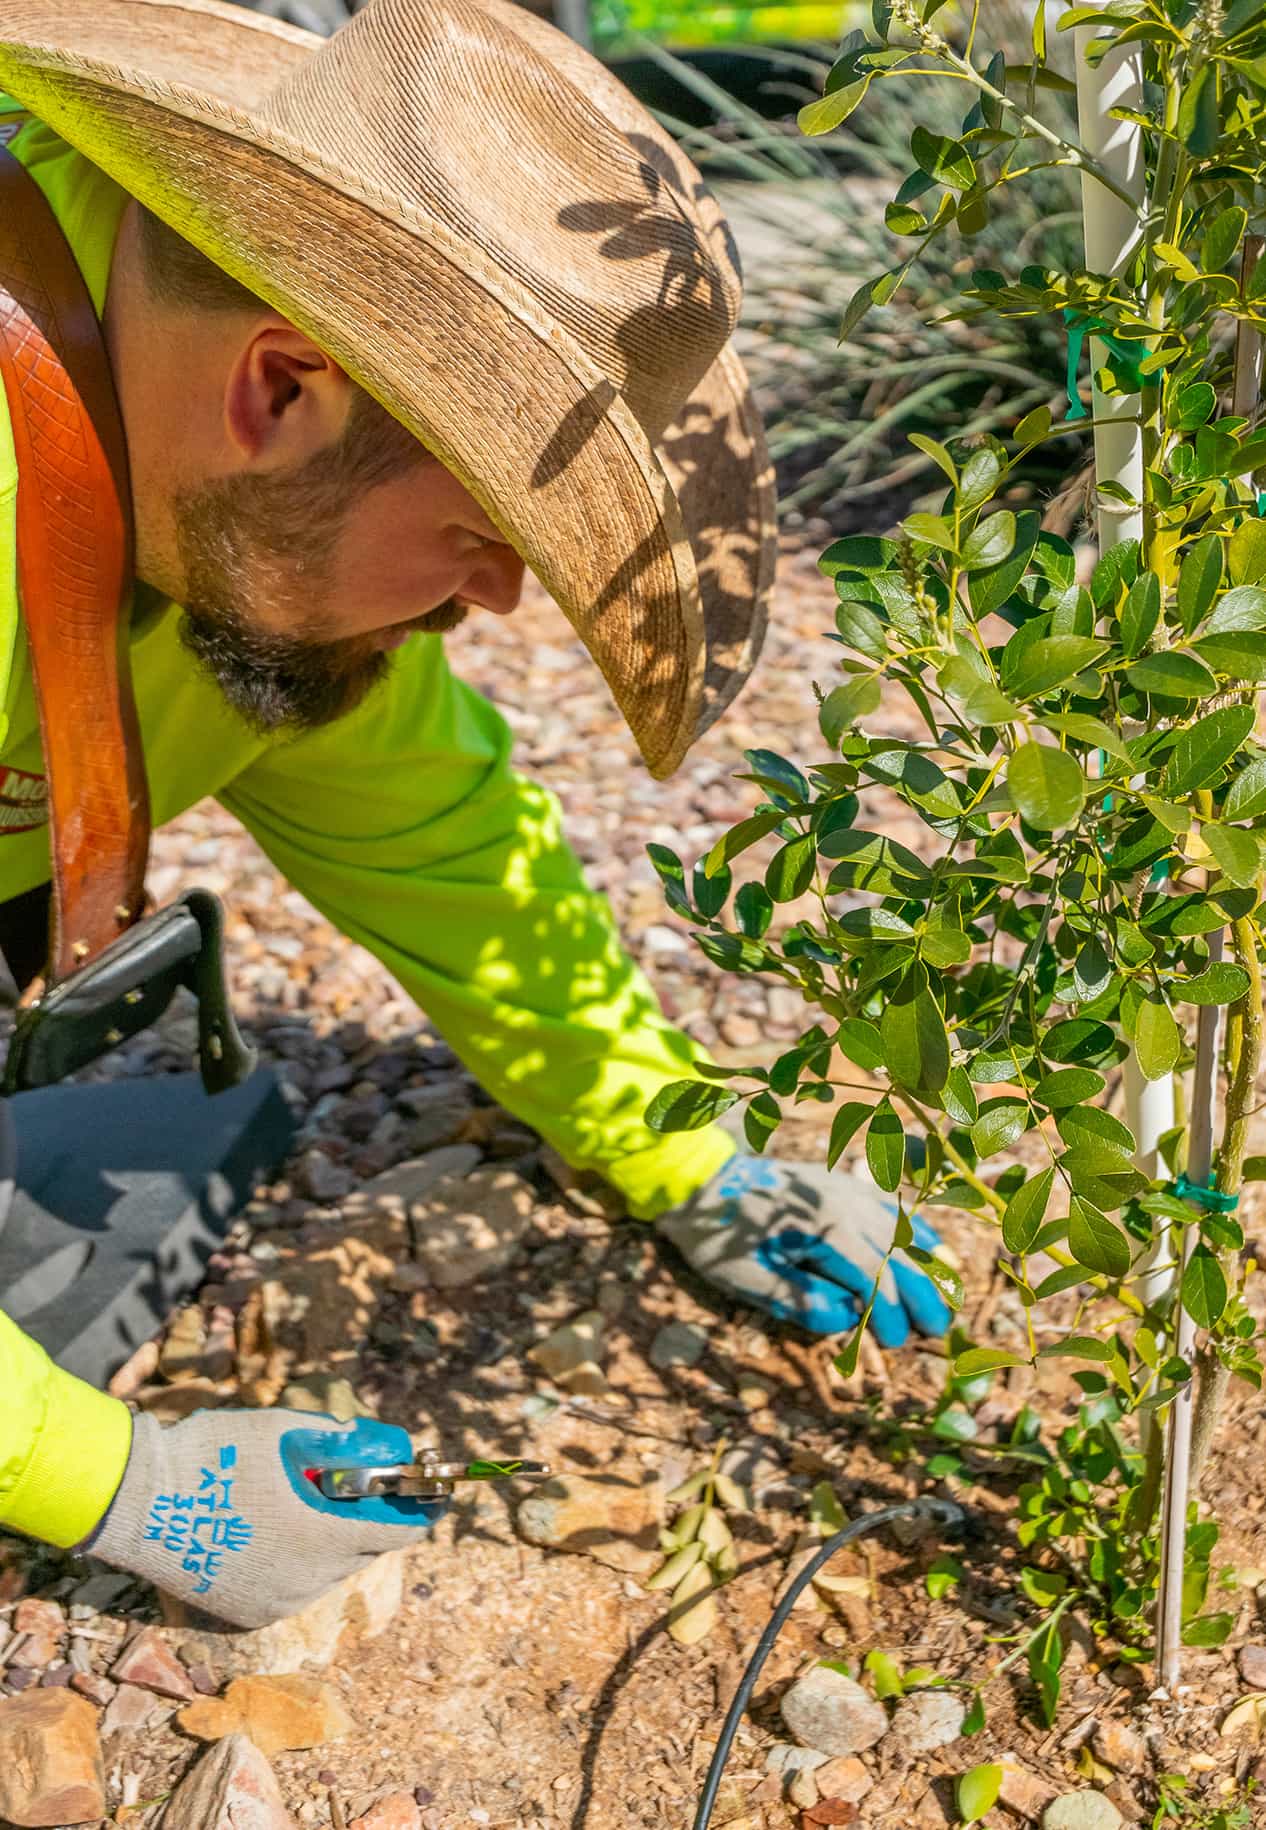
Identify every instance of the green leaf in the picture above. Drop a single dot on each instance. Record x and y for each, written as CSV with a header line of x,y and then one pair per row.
x,y
1047,785
976,1793
858,1040
933,448
886,1148
1246,551
1030,670
1221,983
999,1125
791,870
885,1675
1222,238
1157,1037
740,837
753,910
916,1043
1204,1291
1078,1347
1092,970
1071,1086
848,1121
1025,1212
1236,852
1198,580
931,530
1194,406
985,1360
1244,607
1198,120
688,1105
1042,1586
861,629
710,892
868,861
946,160
831,111
761,1119
1034,427
1095,1241
844,705
991,542
974,1720
1140,612
1246,796
944,1574
1204,749
1173,674
1239,654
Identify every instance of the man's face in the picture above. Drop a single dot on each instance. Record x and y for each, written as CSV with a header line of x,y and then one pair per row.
x,y
299,585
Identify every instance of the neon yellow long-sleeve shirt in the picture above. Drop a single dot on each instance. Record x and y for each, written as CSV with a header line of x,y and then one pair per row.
x,y
406,826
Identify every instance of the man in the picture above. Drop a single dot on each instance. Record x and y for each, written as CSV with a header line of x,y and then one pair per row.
x,y
388,319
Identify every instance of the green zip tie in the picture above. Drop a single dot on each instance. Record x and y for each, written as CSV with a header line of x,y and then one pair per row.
x,y
1261,501
1211,1199
1125,357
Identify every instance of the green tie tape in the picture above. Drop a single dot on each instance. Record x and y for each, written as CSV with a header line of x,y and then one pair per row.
x,y
1124,357
1211,1199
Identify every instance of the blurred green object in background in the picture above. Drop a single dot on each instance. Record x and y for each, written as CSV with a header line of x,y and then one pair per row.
x,y
687,23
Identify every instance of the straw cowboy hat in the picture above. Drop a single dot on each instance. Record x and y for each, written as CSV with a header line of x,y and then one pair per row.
x,y
495,239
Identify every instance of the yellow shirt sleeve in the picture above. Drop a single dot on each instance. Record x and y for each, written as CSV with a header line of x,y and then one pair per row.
x,y
63,1445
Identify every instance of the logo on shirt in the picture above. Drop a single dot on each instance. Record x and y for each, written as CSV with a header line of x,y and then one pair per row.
x,y
23,801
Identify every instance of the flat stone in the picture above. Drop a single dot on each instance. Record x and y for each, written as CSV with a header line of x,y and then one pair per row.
x,y
437,1115
612,1520
849,1779
830,1712
36,1651
398,1811
102,1590
359,1608
465,1228
130,1708
277,1712
149,1662
1252,1663
679,1344
783,1757
1120,1747
323,1393
325,1181
43,1617
569,1357
1082,1811
928,1720
50,1760
232,1784
98,1690
1023,1792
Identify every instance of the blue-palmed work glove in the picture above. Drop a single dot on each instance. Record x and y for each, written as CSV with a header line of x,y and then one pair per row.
x,y
806,1244
221,1510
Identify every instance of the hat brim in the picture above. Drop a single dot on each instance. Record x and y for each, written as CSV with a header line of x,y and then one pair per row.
x,y
661,567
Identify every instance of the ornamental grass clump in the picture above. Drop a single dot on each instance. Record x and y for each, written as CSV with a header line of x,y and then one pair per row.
x,y
1089,787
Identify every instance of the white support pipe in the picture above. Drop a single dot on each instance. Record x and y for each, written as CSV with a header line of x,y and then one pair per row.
x,y
1112,235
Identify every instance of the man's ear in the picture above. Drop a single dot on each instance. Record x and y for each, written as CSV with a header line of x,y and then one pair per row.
x,y
284,399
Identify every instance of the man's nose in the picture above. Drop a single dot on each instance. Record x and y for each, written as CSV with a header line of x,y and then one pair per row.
x,y
495,580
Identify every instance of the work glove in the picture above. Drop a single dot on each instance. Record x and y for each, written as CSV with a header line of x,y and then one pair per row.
x,y
220,1510
806,1244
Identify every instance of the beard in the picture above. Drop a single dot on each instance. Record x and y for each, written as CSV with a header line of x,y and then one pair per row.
x,y
246,543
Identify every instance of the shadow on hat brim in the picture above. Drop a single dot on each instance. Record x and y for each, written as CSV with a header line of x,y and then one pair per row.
x,y
643,552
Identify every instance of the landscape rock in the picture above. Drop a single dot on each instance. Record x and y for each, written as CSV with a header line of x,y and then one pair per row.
x,y
783,1757
325,1181
1120,1747
231,1785
149,1661
1082,1811
849,1779
803,1790
1253,1666
42,1617
570,1355
615,1521
679,1344
129,1708
50,1760
35,1651
830,1712
928,1720
323,1394
102,1590
184,1345
360,1607
1023,1792
464,1227
277,1712
436,1115
98,1690
398,1811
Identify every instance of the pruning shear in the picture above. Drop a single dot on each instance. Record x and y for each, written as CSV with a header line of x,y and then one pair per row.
x,y
427,1477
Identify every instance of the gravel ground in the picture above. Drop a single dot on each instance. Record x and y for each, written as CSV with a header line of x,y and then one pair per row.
x,y
531,1683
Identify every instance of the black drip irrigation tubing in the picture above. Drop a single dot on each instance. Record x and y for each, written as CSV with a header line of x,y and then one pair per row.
x,y
942,1512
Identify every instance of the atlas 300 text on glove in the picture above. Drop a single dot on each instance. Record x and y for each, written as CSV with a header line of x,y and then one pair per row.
x,y
807,1245
222,1510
